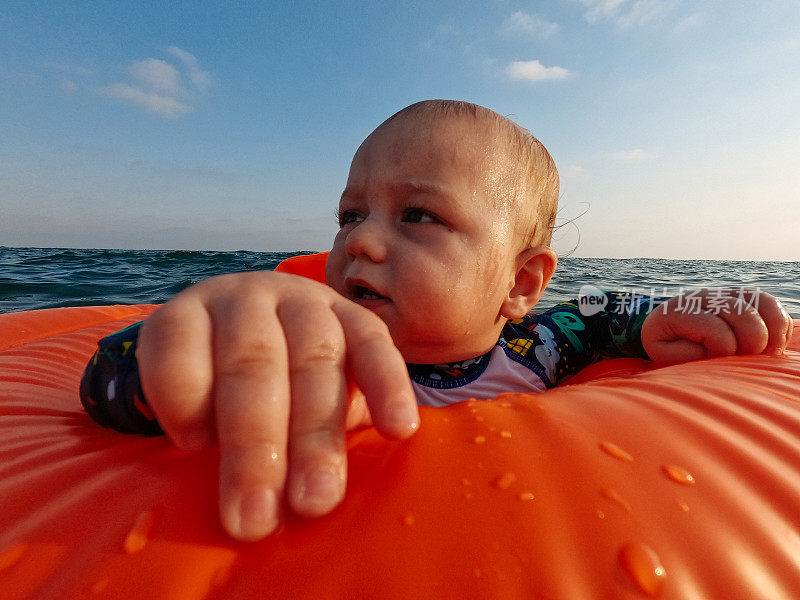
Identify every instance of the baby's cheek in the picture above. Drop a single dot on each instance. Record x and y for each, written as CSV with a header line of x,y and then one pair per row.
x,y
334,269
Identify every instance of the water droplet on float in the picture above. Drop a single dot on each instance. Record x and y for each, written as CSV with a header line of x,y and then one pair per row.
x,y
679,475
478,418
409,520
505,404
683,506
526,496
505,434
644,567
616,498
479,439
139,534
615,451
9,558
505,480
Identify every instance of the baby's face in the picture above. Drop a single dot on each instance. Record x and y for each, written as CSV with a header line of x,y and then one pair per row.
x,y
421,245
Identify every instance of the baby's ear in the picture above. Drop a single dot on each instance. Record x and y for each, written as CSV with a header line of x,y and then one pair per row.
x,y
535,267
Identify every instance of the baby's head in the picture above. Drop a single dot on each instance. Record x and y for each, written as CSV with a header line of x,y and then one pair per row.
x,y
444,228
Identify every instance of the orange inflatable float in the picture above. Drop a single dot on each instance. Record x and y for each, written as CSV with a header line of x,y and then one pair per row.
x,y
679,483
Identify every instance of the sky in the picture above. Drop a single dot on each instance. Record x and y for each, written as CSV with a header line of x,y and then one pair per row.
x,y
675,124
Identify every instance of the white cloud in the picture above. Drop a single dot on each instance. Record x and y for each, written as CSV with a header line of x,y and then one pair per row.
x,y
199,78
161,87
643,12
691,22
533,70
605,9
156,74
153,102
629,156
627,13
521,23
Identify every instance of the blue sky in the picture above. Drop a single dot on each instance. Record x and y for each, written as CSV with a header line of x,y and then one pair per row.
x,y
675,124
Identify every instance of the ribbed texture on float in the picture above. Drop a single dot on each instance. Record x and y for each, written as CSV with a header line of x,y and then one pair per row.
x,y
677,483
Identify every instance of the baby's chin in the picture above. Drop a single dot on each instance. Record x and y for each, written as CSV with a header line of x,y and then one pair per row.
x,y
436,353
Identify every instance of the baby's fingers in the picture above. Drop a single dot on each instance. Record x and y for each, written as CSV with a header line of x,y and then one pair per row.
x,y
672,335
758,320
176,370
749,328
252,410
379,370
317,454
717,323
778,322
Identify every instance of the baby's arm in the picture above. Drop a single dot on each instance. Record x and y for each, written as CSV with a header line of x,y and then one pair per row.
x,y
698,325
568,340
711,323
261,363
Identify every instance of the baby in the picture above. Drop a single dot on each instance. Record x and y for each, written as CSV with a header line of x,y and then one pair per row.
x,y
442,252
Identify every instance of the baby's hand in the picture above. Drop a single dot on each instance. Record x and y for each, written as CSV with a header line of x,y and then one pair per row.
x,y
259,362
712,323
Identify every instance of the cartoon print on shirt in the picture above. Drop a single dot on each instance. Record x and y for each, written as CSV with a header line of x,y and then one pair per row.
x,y
454,370
547,352
569,324
519,345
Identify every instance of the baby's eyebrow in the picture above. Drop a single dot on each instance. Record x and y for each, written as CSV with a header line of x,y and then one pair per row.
x,y
405,188
423,187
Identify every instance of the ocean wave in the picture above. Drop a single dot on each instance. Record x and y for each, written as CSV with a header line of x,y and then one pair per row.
x,y
33,278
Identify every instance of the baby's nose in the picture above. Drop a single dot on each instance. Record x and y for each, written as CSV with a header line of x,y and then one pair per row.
x,y
367,240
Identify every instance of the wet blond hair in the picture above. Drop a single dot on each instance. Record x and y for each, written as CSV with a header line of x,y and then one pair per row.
x,y
534,179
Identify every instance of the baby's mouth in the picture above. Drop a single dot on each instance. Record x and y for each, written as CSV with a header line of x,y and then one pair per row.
x,y
361,292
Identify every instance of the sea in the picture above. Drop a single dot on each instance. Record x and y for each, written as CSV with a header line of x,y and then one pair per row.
x,y
35,278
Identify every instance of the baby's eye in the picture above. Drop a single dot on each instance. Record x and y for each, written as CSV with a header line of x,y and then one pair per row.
x,y
347,216
418,215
